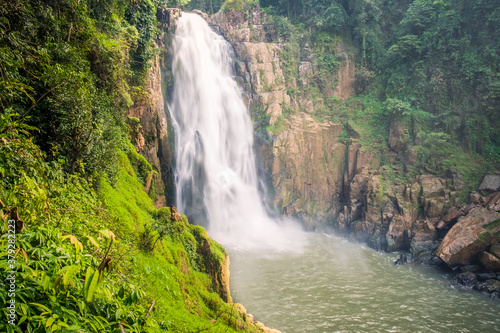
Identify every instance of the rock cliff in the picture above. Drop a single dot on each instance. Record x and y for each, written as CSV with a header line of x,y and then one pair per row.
x,y
329,171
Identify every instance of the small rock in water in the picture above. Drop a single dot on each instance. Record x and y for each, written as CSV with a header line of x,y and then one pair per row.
x,y
470,268
490,286
467,279
486,276
403,259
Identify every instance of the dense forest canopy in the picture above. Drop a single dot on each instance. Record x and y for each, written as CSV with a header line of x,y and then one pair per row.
x,y
442,57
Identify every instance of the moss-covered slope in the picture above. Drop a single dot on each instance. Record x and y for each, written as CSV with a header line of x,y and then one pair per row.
x,y
101,259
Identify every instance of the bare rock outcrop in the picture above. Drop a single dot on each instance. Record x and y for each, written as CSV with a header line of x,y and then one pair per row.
x,y
151,134
490,183
473,234
476,232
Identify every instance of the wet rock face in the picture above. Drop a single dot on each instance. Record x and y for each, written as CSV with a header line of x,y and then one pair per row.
x,y
167,17
488,283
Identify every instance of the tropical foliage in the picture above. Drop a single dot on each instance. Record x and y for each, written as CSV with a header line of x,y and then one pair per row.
x,y
91,253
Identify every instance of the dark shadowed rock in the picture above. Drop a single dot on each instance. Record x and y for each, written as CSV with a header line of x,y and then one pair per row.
x,y
490,286
495,249
490,261
467,279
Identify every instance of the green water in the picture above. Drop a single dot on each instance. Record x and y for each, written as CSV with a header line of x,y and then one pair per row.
x,y
332,285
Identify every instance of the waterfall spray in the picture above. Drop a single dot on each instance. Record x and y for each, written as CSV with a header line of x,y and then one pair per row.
x,y
215,177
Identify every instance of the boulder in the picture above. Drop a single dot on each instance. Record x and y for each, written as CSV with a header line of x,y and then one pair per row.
x,y
432,186
491,183
490,262
493,202
411,157
452,215
475,198
467,279
471,235
490,286
434,207
423,233
495,249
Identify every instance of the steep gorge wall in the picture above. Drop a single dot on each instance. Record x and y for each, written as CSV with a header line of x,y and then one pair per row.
x,y
301,157
322,171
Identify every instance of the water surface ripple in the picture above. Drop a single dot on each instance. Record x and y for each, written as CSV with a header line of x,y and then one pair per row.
x,y
333,285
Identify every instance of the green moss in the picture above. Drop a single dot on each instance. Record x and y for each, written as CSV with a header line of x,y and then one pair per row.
x,y
492,225
127,202
141,167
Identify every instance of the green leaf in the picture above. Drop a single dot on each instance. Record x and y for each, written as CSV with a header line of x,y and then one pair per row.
x,y
42,306
89,296
108,234
118,314
121,292
93,241
70,274
49,321
74,327
88,277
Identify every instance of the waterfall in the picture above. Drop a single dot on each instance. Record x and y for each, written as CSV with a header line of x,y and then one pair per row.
x,y
215,174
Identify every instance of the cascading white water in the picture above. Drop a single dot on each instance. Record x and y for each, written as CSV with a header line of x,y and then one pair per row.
x,y
216,178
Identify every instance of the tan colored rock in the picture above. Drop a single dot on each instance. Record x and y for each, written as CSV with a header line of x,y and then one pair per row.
x,y
274,102
433,207
398,233
344,88
471,235
218,270
432,186
305,72
153,136
490,261
411,156
452,214
493,202
423,233
475,198
307,164
266,329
